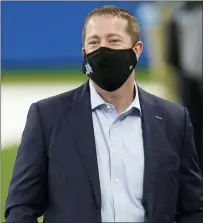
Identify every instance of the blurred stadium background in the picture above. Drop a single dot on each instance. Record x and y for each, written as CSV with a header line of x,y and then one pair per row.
x,y
41,57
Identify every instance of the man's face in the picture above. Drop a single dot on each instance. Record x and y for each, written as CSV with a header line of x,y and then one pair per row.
x,y
106,31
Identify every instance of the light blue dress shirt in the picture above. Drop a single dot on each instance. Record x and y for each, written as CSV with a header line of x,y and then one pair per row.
x,y
120,155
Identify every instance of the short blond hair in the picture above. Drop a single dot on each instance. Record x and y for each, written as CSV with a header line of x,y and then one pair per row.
x,y
132,26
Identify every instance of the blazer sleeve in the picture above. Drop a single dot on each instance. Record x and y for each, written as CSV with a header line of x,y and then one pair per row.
x,y
27,191
190,201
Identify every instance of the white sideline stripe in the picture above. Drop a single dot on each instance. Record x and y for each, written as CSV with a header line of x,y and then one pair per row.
x,y
16,100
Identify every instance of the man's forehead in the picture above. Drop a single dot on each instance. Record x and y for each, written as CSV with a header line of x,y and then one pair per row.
x,y
106,17
105,23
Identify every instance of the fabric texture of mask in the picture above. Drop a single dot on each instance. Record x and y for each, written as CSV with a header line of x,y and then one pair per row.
x,y
109,68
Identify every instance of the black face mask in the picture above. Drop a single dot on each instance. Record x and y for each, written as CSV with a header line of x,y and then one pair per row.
x,y
109,68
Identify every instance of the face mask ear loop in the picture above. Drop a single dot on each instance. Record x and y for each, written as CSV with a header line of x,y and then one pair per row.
x,y
133,50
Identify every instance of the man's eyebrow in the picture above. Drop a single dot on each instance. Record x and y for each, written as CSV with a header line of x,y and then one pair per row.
x,y
108,35
113,34
93,37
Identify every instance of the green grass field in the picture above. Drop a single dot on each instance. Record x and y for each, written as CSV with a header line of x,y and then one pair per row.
x,y
7,161
8,156
49,76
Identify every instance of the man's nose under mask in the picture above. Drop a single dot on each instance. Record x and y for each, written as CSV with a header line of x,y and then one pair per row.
x,y
109,68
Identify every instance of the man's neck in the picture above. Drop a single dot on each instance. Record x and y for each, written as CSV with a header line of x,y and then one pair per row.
x,y
121,98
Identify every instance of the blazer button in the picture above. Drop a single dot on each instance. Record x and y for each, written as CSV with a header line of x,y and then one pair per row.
x,y
98,210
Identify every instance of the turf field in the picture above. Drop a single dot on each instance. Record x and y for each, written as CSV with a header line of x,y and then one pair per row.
x,y
7,160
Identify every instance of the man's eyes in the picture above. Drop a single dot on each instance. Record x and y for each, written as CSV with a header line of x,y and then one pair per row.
x,y
115,41
93,42
111,41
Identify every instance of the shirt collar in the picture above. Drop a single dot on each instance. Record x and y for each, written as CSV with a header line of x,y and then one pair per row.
x,y
97,100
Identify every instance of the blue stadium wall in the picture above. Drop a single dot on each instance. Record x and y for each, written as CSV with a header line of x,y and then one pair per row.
x,y
49,34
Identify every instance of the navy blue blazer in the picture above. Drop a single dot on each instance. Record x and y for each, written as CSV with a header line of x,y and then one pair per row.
x,y
56,170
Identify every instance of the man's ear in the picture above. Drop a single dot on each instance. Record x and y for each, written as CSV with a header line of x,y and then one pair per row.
x,y
138,48
83,51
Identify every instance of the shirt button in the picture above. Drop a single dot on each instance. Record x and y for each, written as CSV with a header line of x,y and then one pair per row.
x,y
117,180
116,152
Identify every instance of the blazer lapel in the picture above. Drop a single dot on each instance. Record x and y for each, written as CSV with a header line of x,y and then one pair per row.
x,y
153,137
80,122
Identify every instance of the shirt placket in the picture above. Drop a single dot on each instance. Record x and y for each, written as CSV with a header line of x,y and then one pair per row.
x,y
115,139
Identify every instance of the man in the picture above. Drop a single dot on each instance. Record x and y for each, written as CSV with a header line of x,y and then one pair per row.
x,y
107,151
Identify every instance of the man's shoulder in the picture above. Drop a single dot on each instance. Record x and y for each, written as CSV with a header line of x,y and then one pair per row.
x,y
57,101
173,114
169,107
